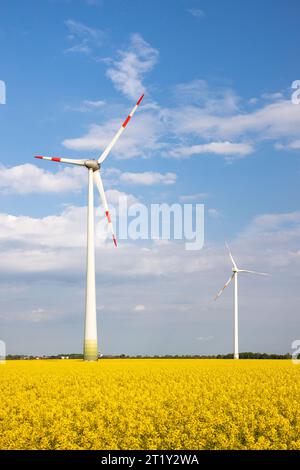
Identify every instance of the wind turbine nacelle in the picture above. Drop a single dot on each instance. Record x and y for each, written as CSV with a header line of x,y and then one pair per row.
x,y
92,164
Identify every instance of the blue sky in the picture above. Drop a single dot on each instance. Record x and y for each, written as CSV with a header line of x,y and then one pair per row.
x,y
217,115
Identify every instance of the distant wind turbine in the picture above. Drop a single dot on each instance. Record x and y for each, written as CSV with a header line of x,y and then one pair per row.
x,y
235,272
90,333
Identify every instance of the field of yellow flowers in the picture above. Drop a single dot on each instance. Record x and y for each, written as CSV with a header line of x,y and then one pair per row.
x,y
150,404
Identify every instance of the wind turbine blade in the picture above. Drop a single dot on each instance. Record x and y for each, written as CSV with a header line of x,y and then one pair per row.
x,y
99,184
119,133
225,285
62,160
253,272
231,257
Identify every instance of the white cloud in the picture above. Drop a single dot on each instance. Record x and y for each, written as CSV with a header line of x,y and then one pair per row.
x,y
219,148
52,253
57,243
293,145
273,121
65,230
271,241
141,139
205,338
219,100
114,195
196,12
94,104
28,178
114,176
37,315
272,96
193,197
282,224
215,116
139,308
214,213
83,38
148,178
86,106
128,71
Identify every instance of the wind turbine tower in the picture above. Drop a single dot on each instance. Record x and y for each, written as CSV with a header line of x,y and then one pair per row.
x,y
90,348
235,273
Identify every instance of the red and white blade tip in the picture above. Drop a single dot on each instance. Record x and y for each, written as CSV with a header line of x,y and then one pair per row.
x,y
108,216
126,121
140,99
109,221
53,159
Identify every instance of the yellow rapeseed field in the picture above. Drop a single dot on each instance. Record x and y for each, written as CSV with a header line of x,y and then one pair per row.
x,y
150,404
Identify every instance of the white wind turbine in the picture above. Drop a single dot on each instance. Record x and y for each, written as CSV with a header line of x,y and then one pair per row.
x,y
235,272
90,333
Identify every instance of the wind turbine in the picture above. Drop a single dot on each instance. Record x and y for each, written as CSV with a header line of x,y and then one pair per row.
x,y
234,276
90,351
